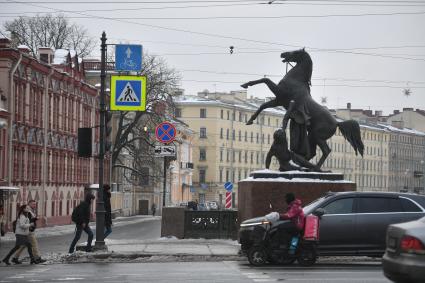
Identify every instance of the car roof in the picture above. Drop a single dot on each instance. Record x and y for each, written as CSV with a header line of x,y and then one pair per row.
x,y
374,193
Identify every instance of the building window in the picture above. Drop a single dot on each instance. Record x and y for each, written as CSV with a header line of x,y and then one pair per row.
x,y
228,115
240,116
257,138
268,138
203,133
246,157
252,158
227,156
233,134
202,174
202,154
144,179
252,137
221,133
203,113
246,136
257,157
178,112
240,156
227,175
221,114
221,175
240,133
221,155
227,134
268,121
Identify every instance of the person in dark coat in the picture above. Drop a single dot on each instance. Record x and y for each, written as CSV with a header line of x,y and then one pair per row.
x,y
153,209
82,223
108,213
21,232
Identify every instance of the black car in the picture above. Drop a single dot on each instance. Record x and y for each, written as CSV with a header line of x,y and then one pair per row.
x,y
353,223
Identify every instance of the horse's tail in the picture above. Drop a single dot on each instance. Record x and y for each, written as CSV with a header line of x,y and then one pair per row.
x,y
350,129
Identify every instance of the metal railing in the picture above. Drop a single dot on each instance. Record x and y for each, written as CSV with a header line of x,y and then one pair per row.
x,y
220,224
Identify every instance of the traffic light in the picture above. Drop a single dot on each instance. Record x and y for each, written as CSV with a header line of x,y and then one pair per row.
x,y
84,142
108,131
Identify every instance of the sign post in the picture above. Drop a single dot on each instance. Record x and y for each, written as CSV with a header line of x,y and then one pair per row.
x,y
100,206
229,187
165,133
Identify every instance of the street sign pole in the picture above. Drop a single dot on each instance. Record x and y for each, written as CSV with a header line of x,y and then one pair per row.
x,y
100,207
165,182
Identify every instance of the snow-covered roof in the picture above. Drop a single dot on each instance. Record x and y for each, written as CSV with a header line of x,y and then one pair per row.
x,y
196,100
22,46
404,130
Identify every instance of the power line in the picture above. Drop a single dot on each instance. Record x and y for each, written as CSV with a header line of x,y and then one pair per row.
x,y
330,85
314,78
218,35
248,17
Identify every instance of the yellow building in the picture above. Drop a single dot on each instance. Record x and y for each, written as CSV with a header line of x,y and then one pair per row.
x,y
225,148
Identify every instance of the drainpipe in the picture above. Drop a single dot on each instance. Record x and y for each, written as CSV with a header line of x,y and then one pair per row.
x,y
12,113
44,157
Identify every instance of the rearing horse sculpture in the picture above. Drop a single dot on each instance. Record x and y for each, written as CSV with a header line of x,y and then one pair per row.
x,y
311,124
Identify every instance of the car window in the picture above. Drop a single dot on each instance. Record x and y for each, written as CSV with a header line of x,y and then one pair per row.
x,y
409,206
373,205
395,205
339,206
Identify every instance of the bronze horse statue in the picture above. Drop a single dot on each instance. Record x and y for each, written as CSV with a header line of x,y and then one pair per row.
x,y
311,124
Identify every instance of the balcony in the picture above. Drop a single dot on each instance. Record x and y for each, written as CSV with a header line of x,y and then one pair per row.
x,y
186,165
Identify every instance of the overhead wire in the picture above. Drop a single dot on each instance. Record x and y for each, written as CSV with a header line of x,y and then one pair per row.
x,y
249,17
215,35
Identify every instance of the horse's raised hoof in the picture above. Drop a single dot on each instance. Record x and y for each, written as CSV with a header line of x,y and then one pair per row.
x,y
245,85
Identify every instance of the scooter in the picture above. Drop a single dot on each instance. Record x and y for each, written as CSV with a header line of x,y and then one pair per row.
x,y
271,244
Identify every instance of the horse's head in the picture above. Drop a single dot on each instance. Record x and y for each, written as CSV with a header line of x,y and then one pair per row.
x,y
294,56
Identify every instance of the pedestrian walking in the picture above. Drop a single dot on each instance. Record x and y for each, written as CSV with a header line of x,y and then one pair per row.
x,y
21,233
32,215
2,224
108,212
153,209
81,218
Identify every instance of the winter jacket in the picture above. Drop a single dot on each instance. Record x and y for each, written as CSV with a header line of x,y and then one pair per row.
x,y
22,225
85,210
33,219
295,213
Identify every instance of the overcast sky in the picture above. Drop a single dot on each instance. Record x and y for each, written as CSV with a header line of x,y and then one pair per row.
x,y
364,52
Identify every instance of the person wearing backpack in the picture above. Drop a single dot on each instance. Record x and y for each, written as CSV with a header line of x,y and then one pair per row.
x,y
22,230
32,215
81,218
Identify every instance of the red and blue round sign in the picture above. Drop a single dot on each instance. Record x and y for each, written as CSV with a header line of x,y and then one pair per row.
x,y
165,132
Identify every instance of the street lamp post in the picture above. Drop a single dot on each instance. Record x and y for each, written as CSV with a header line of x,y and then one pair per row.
x,y
100,207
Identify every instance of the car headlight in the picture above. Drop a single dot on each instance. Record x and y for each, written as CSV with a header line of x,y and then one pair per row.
x,y
264,222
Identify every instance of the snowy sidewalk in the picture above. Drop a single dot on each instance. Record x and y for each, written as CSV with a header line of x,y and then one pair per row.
x,y
70,229
159,250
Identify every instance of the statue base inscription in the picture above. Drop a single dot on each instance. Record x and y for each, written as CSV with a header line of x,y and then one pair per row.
x,y
265,189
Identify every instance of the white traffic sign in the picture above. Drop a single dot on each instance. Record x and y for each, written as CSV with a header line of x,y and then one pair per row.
x,y
165,150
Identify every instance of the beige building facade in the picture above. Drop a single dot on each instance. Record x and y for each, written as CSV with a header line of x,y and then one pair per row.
x,y
225,148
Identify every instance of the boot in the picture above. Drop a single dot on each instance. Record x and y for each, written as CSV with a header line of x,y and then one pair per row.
x,y
15,260
33,261
6,260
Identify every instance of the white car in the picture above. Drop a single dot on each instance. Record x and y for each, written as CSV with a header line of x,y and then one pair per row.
x,y
212,205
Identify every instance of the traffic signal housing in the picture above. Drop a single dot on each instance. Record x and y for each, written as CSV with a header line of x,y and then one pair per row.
x,y
84,142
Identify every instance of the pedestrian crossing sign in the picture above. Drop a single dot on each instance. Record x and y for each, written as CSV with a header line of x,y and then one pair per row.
x,y
128,93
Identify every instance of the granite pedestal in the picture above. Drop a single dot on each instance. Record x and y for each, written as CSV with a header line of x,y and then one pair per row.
x,y
265,188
